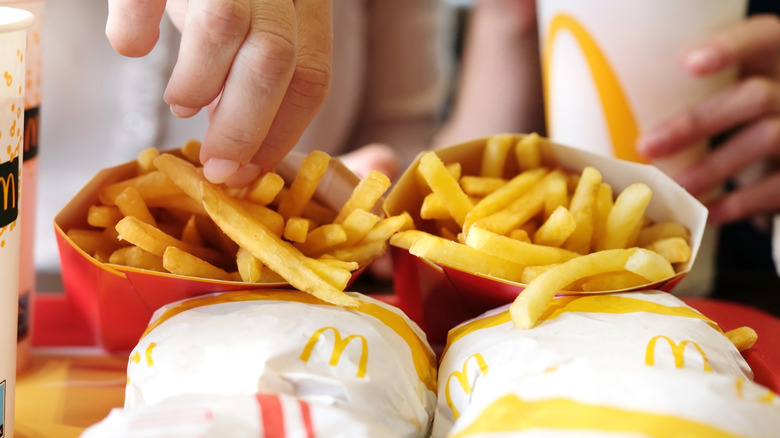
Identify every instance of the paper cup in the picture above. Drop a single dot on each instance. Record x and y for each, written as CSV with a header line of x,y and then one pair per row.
x,y
32,104
13,24
613,69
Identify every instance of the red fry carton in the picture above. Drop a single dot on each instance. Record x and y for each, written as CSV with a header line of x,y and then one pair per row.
x,y
440,297
118,301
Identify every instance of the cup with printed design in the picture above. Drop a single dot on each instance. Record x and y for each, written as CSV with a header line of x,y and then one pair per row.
x,y
13,25
613,69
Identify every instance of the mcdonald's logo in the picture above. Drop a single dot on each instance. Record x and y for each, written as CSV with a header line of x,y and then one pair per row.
x,y
621,122
678,352
339,345
9,189
463,380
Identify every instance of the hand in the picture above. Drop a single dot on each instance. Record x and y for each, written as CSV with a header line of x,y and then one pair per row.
x,y
749,111
262,67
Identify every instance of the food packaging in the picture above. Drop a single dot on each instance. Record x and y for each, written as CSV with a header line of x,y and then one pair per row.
x,y
370,360
117,301
439,297
603,359
236,416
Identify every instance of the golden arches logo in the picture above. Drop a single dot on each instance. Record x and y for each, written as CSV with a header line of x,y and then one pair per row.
x,y
621,123
678,351
339,345
463,379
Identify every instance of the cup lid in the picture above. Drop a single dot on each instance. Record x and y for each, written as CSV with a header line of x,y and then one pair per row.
x,y
13,19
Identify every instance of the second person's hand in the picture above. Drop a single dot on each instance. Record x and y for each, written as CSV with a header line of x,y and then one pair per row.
x,y
262,67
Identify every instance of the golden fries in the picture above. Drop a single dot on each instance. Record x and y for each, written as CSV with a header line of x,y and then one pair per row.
x,y
561,230
168,218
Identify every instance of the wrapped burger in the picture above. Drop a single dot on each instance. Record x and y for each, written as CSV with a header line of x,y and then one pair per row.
x,y
637,363
369,361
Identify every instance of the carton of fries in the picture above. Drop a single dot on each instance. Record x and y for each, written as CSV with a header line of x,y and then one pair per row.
x,y
497,215
204,238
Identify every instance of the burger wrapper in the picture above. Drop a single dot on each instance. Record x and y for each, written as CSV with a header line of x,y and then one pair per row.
x,y
440,297
371,360
583,401
236,416
630,338
118,301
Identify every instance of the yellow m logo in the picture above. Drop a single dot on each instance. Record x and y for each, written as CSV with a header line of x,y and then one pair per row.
x,y
463,379
339,345
678,351
621,123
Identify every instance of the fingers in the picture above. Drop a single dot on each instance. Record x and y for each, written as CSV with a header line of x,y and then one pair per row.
x,y
748,44
750,100
746,202
754,143
212,34
308,86
133,26
276,84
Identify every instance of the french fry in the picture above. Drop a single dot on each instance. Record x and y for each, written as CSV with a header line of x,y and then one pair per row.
x,y
503,196
304,185
130,203
494,156
181,262
182,173
190,232
357,225
145,160
103,216
626,216
92,241
150,185
388,226
365,195
673,249
514,250
155,241
322,238
518,212
481,186
266,188
527,152
649,264
457,255
433,207
529,305
250,269
662,230
556,229
742,337
405,239
278,255
296,229
444,185
612,281
191,151
136,257
582,207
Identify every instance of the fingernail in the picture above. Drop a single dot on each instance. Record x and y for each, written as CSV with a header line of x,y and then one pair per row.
x,y
703,60
244,175
218,170
183,111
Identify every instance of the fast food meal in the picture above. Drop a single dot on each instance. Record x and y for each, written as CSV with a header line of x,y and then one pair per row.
x,y
520,216
369,362
166,217
636,363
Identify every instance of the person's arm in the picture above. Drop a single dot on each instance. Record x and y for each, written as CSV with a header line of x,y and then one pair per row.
x,y
261,66
500,79
749,112
408,70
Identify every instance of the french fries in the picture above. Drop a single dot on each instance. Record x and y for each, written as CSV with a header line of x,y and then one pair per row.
x,y
560,230
168,218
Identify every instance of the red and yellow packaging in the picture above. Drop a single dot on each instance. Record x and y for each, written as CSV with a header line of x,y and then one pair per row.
x,y
117,301
439,297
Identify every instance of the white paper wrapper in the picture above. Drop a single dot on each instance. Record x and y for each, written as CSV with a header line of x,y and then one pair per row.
x,y
235,416
371,360
582,401
618,333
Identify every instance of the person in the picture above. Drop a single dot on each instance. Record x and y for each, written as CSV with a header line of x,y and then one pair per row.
x,y
389,68
500,91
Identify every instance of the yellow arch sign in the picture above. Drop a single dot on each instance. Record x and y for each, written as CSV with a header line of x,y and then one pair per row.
x,y
621,123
